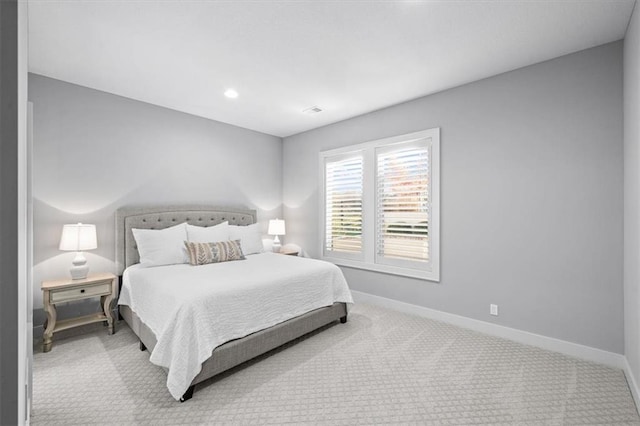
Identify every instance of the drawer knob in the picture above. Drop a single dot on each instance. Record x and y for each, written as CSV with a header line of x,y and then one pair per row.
x,y
82,290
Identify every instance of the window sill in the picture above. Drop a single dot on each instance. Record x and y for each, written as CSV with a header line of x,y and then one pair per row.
x,y
385,269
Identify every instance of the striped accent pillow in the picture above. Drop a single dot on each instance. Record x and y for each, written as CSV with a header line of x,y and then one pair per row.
x,y
222,251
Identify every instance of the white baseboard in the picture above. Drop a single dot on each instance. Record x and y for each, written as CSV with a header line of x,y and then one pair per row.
x,y
588,353
631,381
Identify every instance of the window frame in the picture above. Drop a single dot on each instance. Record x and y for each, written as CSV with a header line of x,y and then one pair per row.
x,y
381,150
368,260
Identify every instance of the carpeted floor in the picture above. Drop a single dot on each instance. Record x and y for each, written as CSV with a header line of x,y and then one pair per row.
x,y
380,367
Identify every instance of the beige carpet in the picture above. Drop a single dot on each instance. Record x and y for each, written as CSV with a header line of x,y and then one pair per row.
x,y
380,367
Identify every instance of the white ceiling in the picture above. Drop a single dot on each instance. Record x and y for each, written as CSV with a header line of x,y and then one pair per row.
x,y
347,57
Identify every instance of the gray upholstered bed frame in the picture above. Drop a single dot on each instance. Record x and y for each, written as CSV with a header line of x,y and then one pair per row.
x,y
237,351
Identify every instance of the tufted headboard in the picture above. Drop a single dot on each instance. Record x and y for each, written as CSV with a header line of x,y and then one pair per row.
x,y
159,217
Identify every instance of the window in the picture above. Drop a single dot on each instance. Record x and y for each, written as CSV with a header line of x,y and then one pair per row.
x,y
380,205
402,205
343,207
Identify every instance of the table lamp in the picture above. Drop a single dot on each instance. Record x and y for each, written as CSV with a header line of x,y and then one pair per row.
x,y
78,237
276,227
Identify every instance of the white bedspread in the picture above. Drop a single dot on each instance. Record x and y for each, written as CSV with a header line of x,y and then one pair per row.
x,y
193,309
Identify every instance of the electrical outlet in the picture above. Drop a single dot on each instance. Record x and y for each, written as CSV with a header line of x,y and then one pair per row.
x,y
493,309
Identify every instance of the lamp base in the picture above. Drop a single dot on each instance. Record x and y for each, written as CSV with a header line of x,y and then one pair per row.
x,y
80,269
276,245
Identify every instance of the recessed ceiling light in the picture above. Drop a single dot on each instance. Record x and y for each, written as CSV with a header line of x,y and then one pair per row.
x,y
230,93
312,110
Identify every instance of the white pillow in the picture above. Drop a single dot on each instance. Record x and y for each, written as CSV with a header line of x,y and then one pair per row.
x,y
210,234
161,246
249,236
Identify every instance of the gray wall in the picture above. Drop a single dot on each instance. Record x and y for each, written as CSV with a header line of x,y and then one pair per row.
x,y
531,197
94,152
9,342
632,194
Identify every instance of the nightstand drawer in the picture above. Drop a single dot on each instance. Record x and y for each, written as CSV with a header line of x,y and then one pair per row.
x,y
80,292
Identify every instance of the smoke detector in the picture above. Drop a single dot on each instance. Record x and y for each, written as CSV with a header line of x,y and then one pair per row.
x,y
312,110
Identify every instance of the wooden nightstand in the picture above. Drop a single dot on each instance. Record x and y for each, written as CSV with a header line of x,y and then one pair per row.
x,y
103,285
289,252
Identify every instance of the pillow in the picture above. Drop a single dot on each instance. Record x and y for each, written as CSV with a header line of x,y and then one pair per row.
x,y
222,251
249,237
161,246
210,234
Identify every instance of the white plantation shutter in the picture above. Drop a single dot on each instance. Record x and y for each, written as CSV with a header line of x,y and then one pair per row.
x,y
343,207
380,205
402,204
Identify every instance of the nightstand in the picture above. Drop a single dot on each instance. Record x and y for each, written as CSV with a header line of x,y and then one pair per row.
x,y
103,285
289,252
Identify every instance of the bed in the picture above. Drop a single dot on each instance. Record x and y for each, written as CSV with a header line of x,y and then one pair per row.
x,y
146,295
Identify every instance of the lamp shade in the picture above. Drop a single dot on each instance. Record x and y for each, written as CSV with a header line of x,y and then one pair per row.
x,y
276,227
78,237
